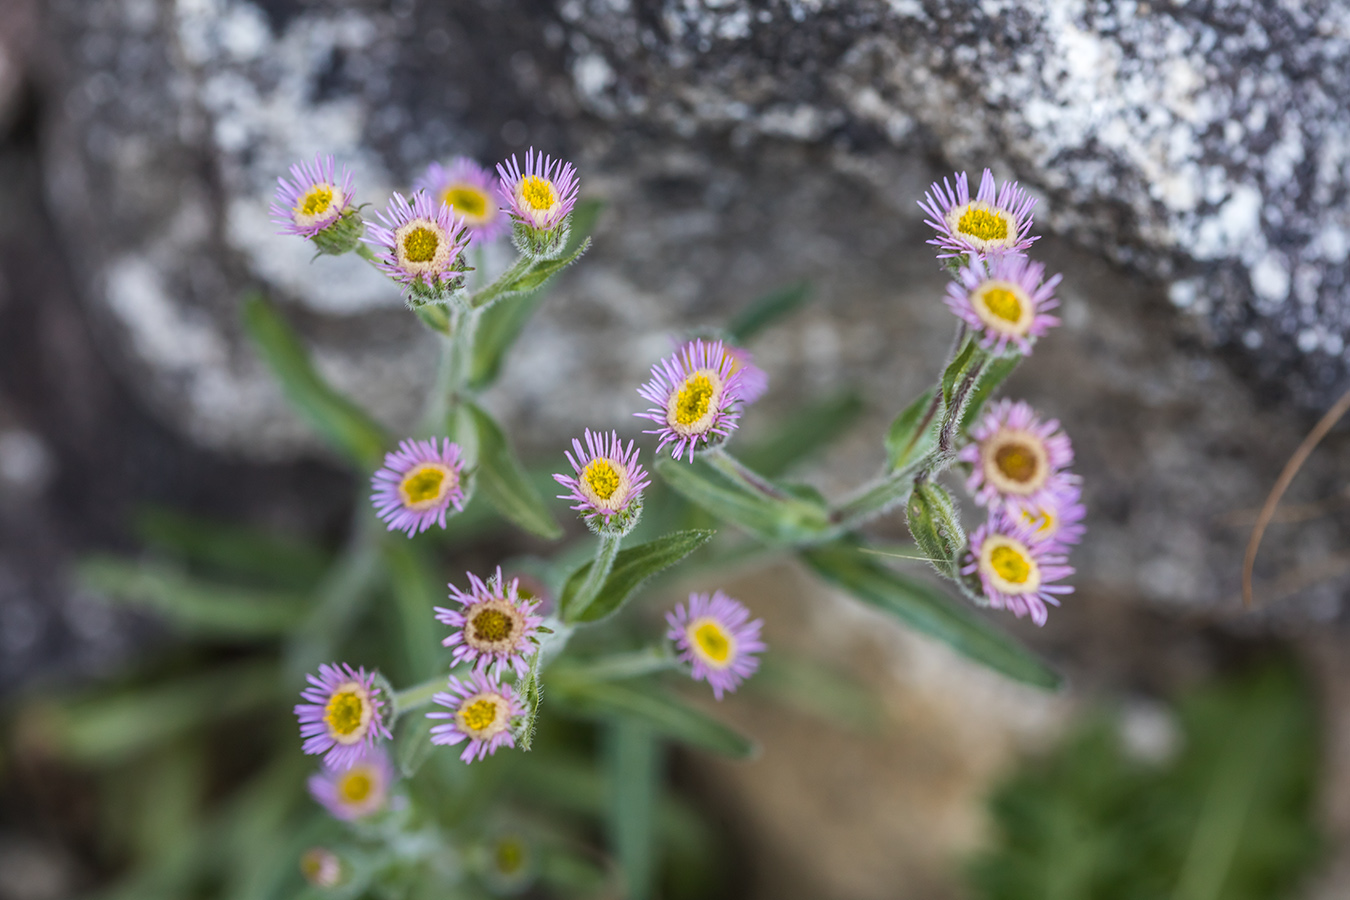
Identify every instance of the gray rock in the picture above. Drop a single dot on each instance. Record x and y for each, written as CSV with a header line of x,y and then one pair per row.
x,y
1207,145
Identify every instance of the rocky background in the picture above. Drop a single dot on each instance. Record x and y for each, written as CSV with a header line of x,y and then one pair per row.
x,y
1191,166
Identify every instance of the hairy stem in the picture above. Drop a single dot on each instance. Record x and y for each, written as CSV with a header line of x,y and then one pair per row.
x,y
595,578
418,695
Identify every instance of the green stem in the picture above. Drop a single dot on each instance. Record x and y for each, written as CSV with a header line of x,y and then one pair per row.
x,y
739,472
629,665
485,296
595,578
418,695
886,493
363,250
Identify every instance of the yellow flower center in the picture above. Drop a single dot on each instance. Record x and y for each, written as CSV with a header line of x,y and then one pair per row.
x,y
316,201
510,856
1010,564
466,200
694,398
1003,303
538,192
420,244
479,714
1017,462
426,485
712,641
355,786
492,625
344,712
983,225
1043,520
601,478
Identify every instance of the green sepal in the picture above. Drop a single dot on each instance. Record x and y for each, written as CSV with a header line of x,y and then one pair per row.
x,y
936,527
926,610
504,482
631,568
767,512
914,433
764,311
646,702
345,425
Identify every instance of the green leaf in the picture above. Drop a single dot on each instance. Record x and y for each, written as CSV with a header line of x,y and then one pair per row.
x,y
633,759
806,431
631,568
910,438
766,310
412,745
926,610
231,548
502,322
996,371
761,508
956,368
530,279
345,425
416,592
205,608
505,483
647,703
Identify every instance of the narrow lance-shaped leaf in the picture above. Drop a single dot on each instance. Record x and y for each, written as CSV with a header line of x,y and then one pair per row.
x,y
209,609
649,704
633,758
504,482
765,310
770,513
927,611
632,567
344,424
235,549
528,279
956,368
416,592
913,434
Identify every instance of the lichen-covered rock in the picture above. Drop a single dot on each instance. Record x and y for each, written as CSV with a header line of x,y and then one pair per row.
x,y
1208,145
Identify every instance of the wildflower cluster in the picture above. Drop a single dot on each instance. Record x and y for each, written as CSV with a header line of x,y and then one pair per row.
x,y
503,636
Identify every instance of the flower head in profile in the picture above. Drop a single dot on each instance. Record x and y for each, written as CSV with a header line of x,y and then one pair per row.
x,y
1004,299
696,397
480,712
1014,458
313,198
418,484
1015,571
607,479
467,188
321,867
754,381
419,243
715,636
343,716
1059,517
997,220
357,791
496,627
540,195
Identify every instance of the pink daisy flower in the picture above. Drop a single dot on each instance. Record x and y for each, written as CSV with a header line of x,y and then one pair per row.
x,y
696,396
1059,519
315,196
496,625
1004,299
418,484
541,195
1014,458
419,243
715,637
481,711
360,790
754,380
466,187
344,715
607,477
996,221
1015,571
